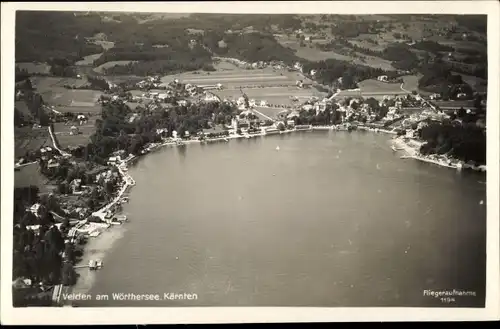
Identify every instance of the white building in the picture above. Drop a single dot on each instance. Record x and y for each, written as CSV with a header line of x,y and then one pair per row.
x,y
113,160
74,130
34,209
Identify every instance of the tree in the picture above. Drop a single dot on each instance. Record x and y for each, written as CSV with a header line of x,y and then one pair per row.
x,y
477,102
29,219
68,274
461,113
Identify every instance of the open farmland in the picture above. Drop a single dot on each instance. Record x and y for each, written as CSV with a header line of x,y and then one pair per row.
x,y
373,88
45,84
53,92
30,175
62,130
272,95
275,87
237,78
476,83
65,139
30,139
34,68
410,82
23,108
312,53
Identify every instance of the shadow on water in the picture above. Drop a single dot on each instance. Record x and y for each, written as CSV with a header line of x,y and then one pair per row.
x,y
182,150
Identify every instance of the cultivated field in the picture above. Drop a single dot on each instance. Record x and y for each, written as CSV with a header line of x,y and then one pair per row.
x,y
73,101
310,52
29,139
53,91
30,175
373,88
411,82
477,83
34,68
62,130
259,84
23,108
62,133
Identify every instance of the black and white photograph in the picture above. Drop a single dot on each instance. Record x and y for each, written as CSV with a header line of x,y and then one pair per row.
x,y
250,159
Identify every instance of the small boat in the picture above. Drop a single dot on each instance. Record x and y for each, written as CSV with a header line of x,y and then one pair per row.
x,y
226,140
394,148
277,148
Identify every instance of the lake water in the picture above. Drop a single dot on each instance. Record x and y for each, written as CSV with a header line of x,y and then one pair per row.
x,y
331,219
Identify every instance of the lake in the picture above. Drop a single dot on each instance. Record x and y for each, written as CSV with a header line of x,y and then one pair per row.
x,y
331,219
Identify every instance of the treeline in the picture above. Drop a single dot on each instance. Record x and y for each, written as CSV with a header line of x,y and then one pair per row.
x,y
160,67
431,46
439,78
350,29
182,53
250,47
42,36
466,142
330,70
35,104
478,70
114,132
98,83
240,21
476,23
398,53
36,256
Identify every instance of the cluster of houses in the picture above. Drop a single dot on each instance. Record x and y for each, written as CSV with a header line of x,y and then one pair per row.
x,y
277,65
149,83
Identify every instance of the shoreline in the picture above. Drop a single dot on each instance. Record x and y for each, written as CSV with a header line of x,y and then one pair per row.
x,y
98,246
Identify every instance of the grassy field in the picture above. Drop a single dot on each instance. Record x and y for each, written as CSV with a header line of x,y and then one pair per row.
x,y
40,68
410,82
54,94
62,130
29,139
236,78
73,101
275,87
53,91
373,88
269,112
23,108
100,69
30,175
477,83
463,44
64,138
312,53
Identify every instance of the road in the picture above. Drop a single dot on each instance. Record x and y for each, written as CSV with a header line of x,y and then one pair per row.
x,y
63,153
